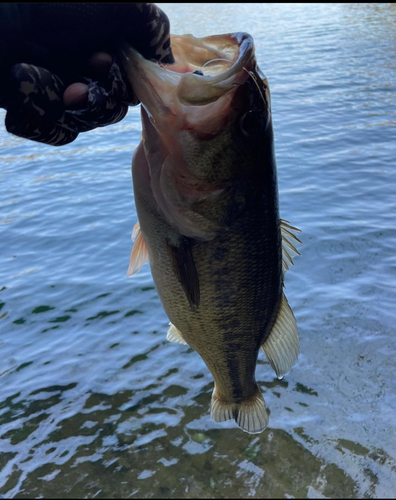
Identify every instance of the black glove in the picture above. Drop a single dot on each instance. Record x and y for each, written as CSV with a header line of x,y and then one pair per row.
x,y
58,72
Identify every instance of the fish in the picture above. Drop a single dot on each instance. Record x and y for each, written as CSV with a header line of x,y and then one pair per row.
x,y
206,194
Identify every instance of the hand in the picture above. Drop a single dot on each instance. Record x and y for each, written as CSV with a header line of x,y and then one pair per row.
x,y
58,72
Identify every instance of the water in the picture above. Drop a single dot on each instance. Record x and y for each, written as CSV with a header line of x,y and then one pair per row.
x,y
95,402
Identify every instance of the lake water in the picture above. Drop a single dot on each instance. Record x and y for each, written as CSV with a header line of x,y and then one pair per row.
x,y
94,402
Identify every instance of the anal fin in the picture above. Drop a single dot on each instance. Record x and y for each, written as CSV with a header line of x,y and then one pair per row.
x,y
174,335
282,346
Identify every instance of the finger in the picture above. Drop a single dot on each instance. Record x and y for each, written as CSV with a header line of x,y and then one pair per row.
x,y
151,33
109,74
103,108
35,106
76,96
37,96
99,65
23,123
36,89
107,101
107,70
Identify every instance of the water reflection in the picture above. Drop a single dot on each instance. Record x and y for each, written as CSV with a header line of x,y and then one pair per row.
x,y
111,448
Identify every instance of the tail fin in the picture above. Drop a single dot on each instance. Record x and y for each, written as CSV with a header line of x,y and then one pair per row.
x,y
251,415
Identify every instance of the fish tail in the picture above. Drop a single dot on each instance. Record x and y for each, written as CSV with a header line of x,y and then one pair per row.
x,y
251,415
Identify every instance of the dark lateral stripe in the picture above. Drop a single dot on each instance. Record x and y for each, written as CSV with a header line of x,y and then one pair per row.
x,y
233,365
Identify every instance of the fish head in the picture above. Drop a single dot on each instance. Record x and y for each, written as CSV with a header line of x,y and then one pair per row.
x,y
206,128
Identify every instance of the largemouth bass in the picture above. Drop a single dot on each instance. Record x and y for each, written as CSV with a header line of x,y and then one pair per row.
x,y
206,195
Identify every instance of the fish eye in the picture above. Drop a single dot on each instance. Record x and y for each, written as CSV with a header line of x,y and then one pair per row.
x,y
252,123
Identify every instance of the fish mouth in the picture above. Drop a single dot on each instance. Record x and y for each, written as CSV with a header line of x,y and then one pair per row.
x,y
195,93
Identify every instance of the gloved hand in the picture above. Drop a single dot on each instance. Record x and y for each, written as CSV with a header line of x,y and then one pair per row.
x,y
59,75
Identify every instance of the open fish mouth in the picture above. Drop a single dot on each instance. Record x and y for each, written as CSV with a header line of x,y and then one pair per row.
x,y
207,71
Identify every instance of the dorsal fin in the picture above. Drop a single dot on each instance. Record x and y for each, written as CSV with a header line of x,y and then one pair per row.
x,y
183,266
139,253
282,345
289,243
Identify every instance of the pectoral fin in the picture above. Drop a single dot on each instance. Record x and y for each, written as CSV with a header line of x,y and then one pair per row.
x,y
183,266
282,345
139,253
174,335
